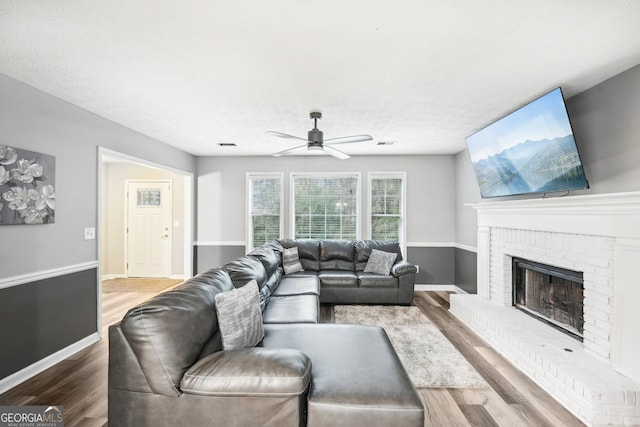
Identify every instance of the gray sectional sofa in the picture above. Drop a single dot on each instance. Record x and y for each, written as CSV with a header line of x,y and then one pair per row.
x,y
168,365
340,265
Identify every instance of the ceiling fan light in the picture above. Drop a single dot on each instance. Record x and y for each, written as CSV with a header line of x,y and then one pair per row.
x,y
312,147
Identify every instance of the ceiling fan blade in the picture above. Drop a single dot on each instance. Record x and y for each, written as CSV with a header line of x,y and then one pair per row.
x,y
287,151
335,153
284,135
348,139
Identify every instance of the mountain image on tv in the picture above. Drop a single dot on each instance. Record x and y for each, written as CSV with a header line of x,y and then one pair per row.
x,y
532,150
531,167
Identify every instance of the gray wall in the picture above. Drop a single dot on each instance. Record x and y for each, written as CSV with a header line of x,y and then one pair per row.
x,y
33,120
212,256
222,191
430,197
606,124
44,316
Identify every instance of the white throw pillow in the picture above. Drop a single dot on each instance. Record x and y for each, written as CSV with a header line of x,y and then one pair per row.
x,y
380,262
291,260
240,317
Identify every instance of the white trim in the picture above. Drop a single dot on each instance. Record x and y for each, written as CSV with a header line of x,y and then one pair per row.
x,y
177,277
466,247
611,215
442,245
452,288
46,363
219,243
430,244
46,274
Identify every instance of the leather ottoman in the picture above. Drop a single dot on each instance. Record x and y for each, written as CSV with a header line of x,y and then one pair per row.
x,y
356,376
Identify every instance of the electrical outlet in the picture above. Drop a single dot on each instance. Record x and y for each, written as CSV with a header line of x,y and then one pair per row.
x,y
89,233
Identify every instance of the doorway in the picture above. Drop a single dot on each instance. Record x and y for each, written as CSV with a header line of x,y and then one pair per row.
x,y
116,171
148,228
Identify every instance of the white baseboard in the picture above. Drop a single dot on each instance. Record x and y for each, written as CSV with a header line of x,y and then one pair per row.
x,y
46,363
177,276
452,288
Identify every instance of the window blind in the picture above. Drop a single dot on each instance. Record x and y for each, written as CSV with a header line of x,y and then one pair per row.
x,y
325,207
264,208
387,213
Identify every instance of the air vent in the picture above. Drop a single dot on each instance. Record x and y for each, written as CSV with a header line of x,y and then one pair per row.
x,y
227,144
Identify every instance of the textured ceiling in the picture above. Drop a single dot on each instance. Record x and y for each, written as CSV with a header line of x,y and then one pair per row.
x,y
421,74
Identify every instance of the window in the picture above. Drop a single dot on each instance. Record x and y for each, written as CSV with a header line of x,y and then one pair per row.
x,y
386,198
265,202
325,206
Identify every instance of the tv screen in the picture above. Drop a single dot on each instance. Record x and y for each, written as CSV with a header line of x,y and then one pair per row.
x,y
531,150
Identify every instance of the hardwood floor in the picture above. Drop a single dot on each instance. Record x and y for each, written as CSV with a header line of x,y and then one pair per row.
x,y
79,383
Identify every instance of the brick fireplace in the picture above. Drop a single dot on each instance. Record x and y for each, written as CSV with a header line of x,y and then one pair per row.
x,y
598,236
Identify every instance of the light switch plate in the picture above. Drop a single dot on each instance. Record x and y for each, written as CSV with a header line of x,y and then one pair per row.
x,y
89,233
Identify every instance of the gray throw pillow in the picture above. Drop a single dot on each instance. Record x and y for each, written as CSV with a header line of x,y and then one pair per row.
x,y
380,262
239,317
291,260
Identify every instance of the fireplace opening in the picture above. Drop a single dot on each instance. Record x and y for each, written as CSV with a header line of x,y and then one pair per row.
x,y
551,294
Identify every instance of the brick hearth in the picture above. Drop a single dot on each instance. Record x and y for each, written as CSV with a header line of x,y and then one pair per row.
x,y
596,235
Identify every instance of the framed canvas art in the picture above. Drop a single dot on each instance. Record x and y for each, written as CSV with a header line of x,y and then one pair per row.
x,y
27,187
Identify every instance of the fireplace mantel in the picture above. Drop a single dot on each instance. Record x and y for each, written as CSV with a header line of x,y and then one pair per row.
x,y
611,215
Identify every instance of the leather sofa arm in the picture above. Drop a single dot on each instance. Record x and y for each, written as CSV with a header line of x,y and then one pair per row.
x,y
254,371
403,267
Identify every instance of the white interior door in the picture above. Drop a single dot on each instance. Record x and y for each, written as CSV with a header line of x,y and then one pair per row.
x,y
148,228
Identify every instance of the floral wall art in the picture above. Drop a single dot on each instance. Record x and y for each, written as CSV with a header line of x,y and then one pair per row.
x,y
27,187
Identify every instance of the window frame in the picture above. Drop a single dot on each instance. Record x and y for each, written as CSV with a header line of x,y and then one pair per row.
x,y
402,175
250,244
292,199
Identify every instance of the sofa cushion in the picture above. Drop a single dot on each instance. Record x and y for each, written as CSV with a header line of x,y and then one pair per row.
x,y
364,247
240,317
292,309
249,372
373,280
308,251
337,255
338,278
155,329
291,261
380,262
302,285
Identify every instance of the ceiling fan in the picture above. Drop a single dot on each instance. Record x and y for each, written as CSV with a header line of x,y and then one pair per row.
x,y
315,141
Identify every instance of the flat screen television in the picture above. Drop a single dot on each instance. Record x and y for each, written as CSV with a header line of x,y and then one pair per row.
x,y
531,150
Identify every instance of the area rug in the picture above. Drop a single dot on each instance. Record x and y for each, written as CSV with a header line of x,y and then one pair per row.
x,y
428,356
137,285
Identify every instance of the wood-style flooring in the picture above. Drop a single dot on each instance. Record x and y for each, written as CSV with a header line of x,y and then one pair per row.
x,y
79,383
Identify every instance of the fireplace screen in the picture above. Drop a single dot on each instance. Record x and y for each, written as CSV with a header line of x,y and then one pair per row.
x,y
551,294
